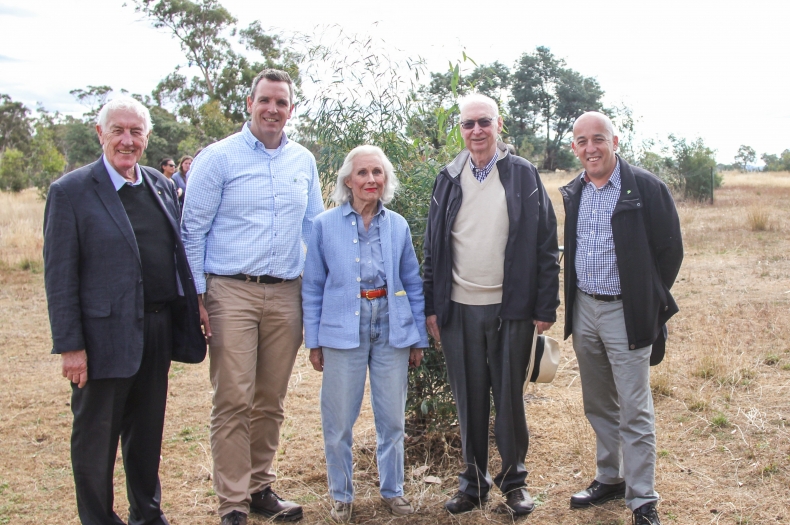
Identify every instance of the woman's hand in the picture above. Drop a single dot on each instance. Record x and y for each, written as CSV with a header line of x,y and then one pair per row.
x,y
415,357
317,358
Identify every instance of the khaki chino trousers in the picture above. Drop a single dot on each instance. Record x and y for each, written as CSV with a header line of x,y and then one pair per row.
x,y
256,333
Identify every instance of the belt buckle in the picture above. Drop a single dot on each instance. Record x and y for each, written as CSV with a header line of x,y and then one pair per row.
x,y
366,294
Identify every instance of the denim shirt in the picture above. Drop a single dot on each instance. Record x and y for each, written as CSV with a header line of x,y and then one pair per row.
x,y
332,280
372,262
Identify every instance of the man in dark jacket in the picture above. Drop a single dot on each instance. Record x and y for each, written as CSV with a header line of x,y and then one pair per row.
x,y
491,278
122,304
623,251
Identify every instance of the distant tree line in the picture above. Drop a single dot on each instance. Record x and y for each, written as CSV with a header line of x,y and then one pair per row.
x,y
539,97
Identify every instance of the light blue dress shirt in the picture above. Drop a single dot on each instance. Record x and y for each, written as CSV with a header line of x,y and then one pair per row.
x,y
248,210
372,264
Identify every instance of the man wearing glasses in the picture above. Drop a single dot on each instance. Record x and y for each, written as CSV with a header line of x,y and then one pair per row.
x,y
491,278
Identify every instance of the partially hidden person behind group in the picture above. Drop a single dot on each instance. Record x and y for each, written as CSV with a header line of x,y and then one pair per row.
x,y
248,214
122,305
180,176
491,278
623,251
363,310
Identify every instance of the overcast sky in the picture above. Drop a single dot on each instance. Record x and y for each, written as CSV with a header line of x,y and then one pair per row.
x,y
696,68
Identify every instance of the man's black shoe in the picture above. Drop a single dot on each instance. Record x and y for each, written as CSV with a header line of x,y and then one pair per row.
x,y
463,502
596,494
646,515
274,507
234,518
518,502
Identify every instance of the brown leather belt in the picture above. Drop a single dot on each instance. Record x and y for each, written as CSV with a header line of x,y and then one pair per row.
x,y
374,293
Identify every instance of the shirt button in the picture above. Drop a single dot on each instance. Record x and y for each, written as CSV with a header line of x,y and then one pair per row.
x,y
357,259
355,241
356,313
359,279
359,296
353,223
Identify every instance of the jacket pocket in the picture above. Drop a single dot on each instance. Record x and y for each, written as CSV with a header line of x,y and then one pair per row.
x,y
96,309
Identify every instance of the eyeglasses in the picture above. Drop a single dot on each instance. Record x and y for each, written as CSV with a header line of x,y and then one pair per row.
x,y
482,122
170,165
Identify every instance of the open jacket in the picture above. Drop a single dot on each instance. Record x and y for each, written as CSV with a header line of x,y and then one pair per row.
x,y
331,282
649,249
530,289
93,274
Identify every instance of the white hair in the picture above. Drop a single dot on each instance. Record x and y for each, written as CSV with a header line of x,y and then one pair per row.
x,y
478,98
342,193
124,103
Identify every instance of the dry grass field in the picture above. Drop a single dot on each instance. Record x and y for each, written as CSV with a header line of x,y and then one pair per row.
x,y
721,396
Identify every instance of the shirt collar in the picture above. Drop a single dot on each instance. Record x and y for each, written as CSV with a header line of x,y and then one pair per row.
x,y
117,180
614,179
346,208
488,167
254,143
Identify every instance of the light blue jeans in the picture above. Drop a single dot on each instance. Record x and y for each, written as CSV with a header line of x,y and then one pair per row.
x,y
341,398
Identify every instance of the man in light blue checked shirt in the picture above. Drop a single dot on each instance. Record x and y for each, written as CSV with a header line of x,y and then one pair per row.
x,y
249,210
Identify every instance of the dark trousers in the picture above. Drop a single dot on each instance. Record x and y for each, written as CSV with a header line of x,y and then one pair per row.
x,y
485,354
130,408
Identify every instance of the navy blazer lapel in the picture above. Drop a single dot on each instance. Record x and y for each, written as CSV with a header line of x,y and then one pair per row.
x,y
158,188
109,197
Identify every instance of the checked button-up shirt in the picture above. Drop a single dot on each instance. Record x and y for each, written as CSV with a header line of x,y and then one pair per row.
x,y
249,210
596,261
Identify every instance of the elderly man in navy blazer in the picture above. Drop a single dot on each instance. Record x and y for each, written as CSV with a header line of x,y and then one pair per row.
x,y
122,305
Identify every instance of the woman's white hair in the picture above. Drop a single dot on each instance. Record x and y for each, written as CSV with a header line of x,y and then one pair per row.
x,y
342,193
124,103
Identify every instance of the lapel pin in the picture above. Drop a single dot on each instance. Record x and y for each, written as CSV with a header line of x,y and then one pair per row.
x,y
629,191
160,192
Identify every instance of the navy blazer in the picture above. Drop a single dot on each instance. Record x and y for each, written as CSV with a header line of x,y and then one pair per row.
x,y
93,275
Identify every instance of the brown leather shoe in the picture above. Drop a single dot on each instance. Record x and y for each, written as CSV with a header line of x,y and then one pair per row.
x,y
234,518
274,507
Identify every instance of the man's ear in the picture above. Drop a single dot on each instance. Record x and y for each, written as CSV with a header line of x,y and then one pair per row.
x,y
99,133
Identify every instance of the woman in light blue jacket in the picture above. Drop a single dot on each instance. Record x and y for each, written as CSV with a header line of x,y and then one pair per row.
x,y
363,309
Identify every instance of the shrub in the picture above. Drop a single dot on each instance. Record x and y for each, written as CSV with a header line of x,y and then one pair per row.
x,y
13,172
758,219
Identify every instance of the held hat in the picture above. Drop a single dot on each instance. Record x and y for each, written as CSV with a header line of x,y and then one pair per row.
x,y
544,359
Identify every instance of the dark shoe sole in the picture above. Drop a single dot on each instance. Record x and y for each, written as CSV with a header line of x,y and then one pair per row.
x,y
599,501
277,516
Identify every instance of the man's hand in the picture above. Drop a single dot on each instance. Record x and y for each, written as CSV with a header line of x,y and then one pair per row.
x,y
415,357
542,326
317,358
75,367
204,318
433,329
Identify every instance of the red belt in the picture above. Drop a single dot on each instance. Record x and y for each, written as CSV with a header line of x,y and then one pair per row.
x,y
374,293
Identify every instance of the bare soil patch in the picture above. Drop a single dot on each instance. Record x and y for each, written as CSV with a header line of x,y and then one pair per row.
x,y
721,397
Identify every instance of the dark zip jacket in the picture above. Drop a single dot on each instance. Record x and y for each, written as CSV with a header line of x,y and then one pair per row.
x,y
649,249
530,289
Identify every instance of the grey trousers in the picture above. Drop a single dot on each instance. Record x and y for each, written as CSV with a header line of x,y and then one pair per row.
x,y
485,354
618,402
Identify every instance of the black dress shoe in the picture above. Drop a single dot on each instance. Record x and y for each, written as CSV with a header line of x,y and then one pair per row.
x,y
596,494
646,515
518,502
234,518
463,502
274,507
